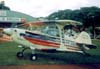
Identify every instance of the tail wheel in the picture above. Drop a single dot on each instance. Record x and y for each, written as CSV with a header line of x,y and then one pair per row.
x,y
84,50
33,57
20,55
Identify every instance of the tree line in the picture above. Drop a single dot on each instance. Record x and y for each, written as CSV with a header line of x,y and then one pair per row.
x,y
89,16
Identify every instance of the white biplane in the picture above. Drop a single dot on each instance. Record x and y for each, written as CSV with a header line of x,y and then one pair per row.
x,y
53,35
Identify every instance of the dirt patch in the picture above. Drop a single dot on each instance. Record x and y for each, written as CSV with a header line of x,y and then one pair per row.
x,y
51,67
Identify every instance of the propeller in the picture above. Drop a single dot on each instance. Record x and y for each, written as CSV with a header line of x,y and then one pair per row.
x,y
4,37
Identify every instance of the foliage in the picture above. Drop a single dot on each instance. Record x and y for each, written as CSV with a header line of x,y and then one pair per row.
x,y
87,15
3,7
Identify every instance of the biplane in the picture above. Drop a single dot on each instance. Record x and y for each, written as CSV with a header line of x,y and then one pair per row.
x,y
51,35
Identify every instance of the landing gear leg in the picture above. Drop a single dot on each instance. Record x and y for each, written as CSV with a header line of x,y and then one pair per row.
x,y
21,54
33,56
84,51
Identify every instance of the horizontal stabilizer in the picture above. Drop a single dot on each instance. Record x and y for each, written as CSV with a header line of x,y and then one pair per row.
x,y
91,46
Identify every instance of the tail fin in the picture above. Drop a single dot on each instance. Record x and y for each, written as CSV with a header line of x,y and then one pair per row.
x,y
84,38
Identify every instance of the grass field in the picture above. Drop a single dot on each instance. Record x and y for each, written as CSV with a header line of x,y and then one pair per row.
x,y
8,52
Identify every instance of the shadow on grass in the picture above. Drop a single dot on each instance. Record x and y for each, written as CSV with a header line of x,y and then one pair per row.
x,y
71,58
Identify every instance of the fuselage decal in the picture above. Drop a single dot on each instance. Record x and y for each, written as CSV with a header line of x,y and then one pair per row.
x,y
40,39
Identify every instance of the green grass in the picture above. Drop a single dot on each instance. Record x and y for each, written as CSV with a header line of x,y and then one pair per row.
x,y
8,52
96,51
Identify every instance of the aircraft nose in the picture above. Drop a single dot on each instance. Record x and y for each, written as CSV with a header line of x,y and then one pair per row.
x,y
7,31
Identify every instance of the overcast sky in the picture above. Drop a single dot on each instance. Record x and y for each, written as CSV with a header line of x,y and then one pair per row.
x,y
42,8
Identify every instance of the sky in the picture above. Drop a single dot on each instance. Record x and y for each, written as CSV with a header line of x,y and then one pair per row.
x,y
43,8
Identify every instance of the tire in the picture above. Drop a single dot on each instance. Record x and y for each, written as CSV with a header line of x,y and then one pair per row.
x,y
33,57
20,55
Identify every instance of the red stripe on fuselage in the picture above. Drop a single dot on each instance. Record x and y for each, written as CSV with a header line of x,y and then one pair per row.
x,y
42,42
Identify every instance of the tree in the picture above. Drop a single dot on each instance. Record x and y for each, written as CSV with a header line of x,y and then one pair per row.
x,y
3,7
61,14
86,15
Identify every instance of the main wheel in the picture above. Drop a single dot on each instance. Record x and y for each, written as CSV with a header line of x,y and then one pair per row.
x,y
20,55
33,57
